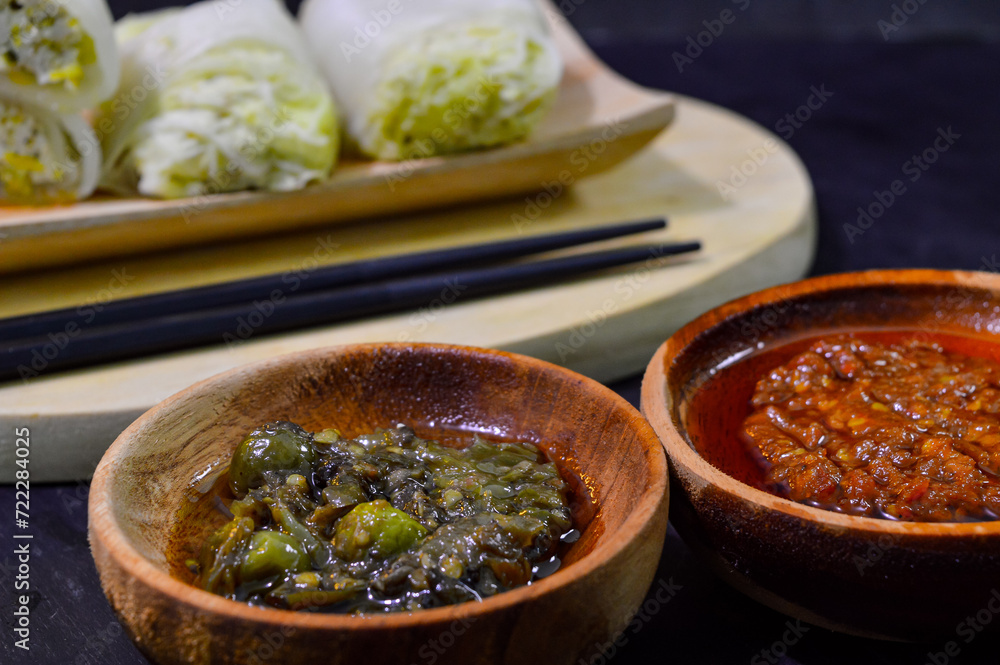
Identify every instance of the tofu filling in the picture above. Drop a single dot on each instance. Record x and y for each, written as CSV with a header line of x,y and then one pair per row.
x,y
43,44
31,167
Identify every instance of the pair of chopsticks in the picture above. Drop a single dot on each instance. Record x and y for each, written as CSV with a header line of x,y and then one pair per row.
x,y
230,312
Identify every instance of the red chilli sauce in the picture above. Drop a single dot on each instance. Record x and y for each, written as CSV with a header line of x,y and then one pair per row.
x,y
896,425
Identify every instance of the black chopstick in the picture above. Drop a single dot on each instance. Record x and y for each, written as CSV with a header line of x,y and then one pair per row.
x,y
223,325
244,291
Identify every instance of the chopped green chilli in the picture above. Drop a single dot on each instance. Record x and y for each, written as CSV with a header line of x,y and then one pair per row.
x,y
383,522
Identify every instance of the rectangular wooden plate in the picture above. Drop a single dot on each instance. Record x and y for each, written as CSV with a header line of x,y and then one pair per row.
x,y
598,120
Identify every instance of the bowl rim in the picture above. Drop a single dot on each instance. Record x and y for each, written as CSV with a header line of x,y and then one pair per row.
x,y
103,528
658,410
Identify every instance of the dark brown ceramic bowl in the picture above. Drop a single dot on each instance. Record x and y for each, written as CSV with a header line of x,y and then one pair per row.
x,y
167,459
862,575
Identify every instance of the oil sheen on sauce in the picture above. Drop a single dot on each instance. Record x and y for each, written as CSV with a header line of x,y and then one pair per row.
x,y
891,424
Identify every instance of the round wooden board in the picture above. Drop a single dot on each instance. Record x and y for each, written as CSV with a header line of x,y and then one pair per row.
x,y
759,232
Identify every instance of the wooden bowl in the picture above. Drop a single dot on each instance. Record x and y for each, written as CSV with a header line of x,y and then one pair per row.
x,y
861,575
169,457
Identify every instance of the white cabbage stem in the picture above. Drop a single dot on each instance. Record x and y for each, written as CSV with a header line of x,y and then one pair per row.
x,y
216,97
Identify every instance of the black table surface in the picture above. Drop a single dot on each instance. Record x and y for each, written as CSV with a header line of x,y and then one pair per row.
x,y
881,109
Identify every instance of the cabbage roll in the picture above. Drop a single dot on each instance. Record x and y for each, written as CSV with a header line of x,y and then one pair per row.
x,y
46,157
416,78
58,54
216,97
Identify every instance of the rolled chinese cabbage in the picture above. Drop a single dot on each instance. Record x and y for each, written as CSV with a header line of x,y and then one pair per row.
x,y
416,78
216,97
58,54
45,157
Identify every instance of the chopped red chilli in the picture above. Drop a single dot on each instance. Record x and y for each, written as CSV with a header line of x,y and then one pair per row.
x,y
903,431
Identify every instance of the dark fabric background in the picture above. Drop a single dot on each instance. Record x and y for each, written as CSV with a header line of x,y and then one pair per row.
x,y
607,21
888,103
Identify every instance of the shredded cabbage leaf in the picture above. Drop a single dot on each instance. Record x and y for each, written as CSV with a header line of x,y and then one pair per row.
x,y
239,116
462,87
418,79
214,98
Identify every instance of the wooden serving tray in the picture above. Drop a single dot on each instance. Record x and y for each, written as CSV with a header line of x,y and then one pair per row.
x,y
606,326
599,119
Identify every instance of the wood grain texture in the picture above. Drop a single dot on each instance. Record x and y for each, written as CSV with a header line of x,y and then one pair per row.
x,y
161,461
594,107
866,576
606,326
